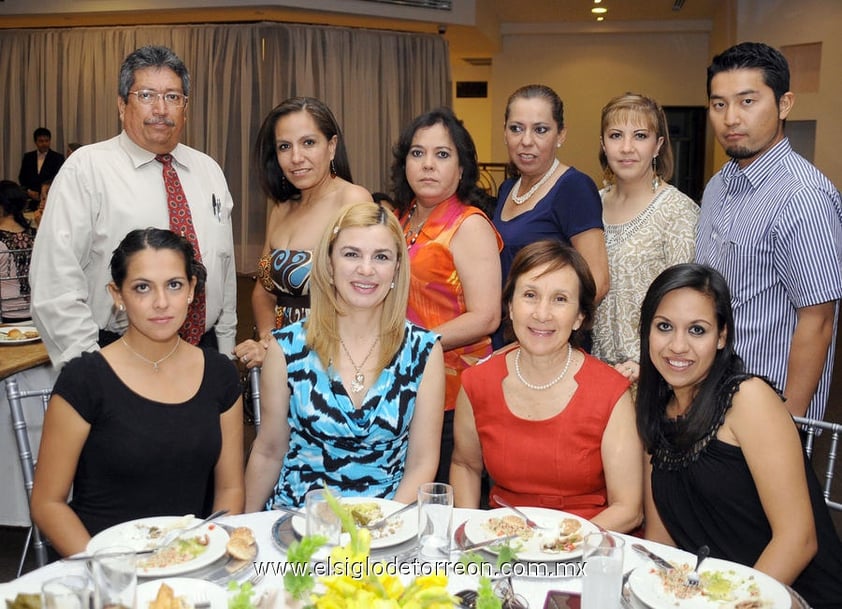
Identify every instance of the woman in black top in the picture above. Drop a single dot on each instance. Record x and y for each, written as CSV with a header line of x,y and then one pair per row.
x,y
727,466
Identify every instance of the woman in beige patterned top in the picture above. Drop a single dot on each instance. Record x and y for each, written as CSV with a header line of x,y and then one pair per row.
x,y
649,224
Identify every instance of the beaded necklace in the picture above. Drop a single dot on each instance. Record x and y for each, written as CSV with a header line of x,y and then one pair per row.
x,y
520,200
412,236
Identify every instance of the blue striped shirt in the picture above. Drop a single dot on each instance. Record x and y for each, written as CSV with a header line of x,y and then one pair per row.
x,y
774,231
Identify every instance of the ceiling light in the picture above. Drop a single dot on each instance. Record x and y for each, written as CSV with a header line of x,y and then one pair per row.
x,y
597,1
599,10
600,18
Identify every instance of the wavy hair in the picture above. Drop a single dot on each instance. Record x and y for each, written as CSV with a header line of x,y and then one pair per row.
x,y
653,392
467,189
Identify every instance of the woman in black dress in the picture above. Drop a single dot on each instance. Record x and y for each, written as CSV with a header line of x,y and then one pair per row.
x,y
727,466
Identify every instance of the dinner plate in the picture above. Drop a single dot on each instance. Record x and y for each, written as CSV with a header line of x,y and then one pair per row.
x,y
192,590
477,529
146,533
5,340
745,584
391,534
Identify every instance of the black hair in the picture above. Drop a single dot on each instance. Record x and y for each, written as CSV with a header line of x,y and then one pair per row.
x,y
534,92
653,392
157,239
269,172
151,57
556,255
13,200
41,131
467,189
749,55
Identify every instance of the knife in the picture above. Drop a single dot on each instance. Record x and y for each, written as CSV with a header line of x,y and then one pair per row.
x,y
489,542
659,562
91,556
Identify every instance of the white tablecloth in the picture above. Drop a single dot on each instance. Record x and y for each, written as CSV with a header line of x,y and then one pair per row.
x,y
534,589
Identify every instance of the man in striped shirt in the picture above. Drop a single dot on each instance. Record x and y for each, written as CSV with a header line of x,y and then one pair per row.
x,y
771,223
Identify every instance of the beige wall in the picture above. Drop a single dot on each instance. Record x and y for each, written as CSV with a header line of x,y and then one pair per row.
x,y
475,112
784,22
589,69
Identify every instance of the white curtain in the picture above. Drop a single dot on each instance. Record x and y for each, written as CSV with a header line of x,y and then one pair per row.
x,y
374,81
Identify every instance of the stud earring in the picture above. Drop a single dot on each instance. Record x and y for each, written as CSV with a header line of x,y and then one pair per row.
x,y
656,180
121,307
189,299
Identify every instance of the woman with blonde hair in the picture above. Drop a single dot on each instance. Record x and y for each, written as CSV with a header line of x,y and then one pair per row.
x,y
649,224
352,395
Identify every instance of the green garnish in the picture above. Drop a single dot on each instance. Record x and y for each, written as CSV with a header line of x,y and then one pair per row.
x,y
299,580
486,599
242,598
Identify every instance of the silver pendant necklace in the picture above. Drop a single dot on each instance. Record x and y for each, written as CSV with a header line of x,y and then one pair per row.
x,y
520,200
153,363
545,385
358,384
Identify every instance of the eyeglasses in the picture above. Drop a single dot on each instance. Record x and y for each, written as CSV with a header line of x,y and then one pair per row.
x,y
147,97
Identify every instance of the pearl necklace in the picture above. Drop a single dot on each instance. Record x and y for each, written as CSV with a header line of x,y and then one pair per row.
x,y
412,236
545,386
520,200
153,363
358,384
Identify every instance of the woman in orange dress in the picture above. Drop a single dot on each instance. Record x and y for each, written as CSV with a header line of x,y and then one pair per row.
x,y
454,251
554,426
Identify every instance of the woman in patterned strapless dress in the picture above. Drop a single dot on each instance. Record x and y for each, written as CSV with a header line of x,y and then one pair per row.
x,y
303,167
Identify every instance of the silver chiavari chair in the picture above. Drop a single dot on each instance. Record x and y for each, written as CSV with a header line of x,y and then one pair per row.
x,y
834,430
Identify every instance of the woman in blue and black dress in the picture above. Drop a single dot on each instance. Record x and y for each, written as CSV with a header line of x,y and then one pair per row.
x,y
352,395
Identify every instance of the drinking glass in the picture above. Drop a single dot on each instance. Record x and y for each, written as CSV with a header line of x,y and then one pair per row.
x,y
114,572
603,556
435,519
66,592
321,520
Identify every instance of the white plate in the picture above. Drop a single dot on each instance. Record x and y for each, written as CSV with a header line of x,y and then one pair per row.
x,y
192,590
647,586
407,530
476,530
5,340
138,534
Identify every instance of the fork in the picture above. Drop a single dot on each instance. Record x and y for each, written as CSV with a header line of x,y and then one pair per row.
x,y
176,533
693,577
381,522
529,522
201,601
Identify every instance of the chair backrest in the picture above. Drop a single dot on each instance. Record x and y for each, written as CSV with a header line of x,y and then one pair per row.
x,y
15,397
14,282
834,430
254,393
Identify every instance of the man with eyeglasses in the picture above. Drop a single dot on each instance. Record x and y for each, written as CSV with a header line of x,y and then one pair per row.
x,y
143,177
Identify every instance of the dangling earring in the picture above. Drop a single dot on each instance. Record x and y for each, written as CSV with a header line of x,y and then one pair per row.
x,y
283,180
332,169
392,287
189,300
656,180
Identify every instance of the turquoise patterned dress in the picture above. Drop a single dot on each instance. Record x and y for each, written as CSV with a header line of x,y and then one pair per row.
x,y
355,452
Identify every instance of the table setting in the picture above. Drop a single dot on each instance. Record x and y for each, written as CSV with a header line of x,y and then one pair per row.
x,y
429,550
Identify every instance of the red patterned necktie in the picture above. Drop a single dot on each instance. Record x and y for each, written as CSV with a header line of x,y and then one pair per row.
x,y
181,222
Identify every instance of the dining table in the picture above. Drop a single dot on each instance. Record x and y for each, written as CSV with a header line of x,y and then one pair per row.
x,y
528,585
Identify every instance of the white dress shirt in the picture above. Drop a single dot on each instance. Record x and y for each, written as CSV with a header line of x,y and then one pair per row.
x,y
102,192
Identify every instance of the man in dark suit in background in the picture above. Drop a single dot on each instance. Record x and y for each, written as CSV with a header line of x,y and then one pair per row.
x,y
39,165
